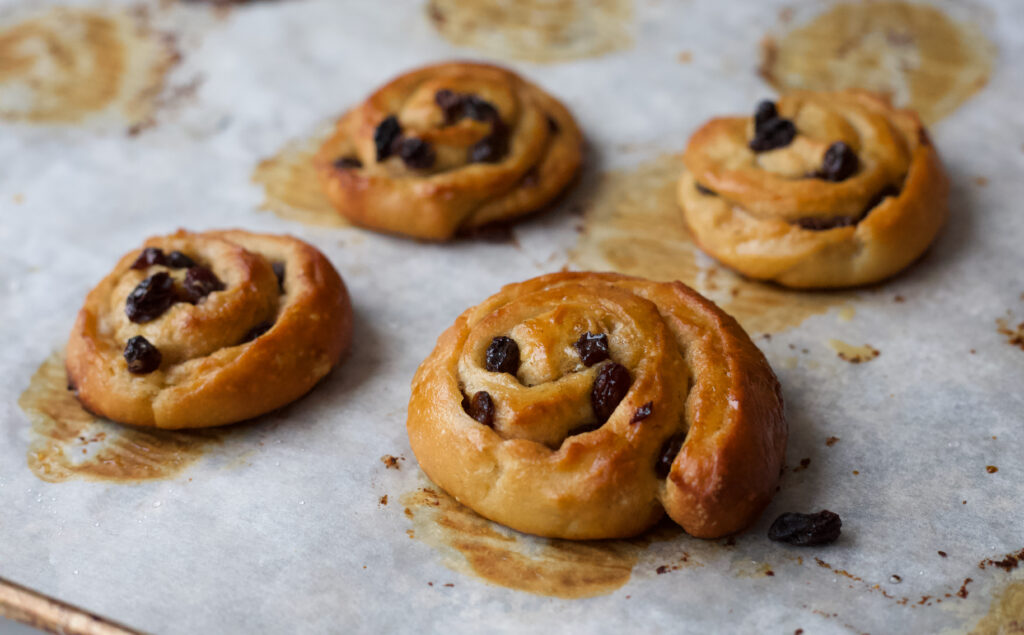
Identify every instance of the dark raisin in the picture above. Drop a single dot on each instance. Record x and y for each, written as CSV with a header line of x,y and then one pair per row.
x,y
416,153
348,163
479,109
642,412
491,148
764,113
805,530
450,104
706,191
178,260
480,407
840,162
256,331
592,348
385,135
199,283
884,193
820,224
531,178
588,427
610,387
775,133
150,298
669,450
553,126
141,356
502,356
279,272
149,256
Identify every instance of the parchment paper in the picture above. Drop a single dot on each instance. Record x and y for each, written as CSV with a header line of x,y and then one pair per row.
x,y
280,527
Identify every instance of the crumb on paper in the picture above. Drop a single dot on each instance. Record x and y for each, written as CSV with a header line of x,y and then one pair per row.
x,y
980,181
684,57
390,462
1014,336
804,464
831,441
991,469
384,500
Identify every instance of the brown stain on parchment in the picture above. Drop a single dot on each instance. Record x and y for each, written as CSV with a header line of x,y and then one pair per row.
x,y
68,442
535,30
559,568
853,354
65,65
1005,614
633,225
291,187
913,52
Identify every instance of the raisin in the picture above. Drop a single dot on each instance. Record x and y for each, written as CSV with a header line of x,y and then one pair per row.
x,y
178,260
480,407
150,298
706,191
416,153
610,387
502,356
592,348
553,126
149,256
385,135
479,109
491,148
141,356
278,268
805,530
669,450
588,427
256,331
775,133
642,412
820,224
450,104
839,164
764,113
347,163
199,283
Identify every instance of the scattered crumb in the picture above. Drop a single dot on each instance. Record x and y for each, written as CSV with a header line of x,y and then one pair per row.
x,y
662,569
408,512
766,336
963,503
991,469
430,584
980,181
804,463
684,57
962,593
390,462
942,553
412,534
1008,563
19,199
899,298
730,541
831,441
854,354
384,499
449,584
1014,336
993,437
973,351
856,472
769,572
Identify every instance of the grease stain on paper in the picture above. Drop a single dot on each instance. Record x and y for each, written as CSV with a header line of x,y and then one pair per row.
x,y
66,65
853,354
559,568
68,442
291,187
1005,614
633,225
915,53
535,30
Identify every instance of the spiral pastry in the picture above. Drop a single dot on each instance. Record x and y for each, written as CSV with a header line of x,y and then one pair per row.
x,y
203,329
585,405
821,190
447,148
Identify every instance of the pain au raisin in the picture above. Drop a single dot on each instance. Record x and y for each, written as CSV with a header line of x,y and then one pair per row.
x,y
150,298
199,283
178,260
385,135
141,356
150,256
502,356
592,348
669,450
609,388
480,407
804,530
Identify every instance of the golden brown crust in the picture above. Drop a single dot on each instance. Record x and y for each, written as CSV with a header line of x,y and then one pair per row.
x,y
453,194
209,374
693,364
758,218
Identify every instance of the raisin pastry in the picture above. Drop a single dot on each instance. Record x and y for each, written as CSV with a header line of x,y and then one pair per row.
x,y
586,405
820,190
447,148
203,329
